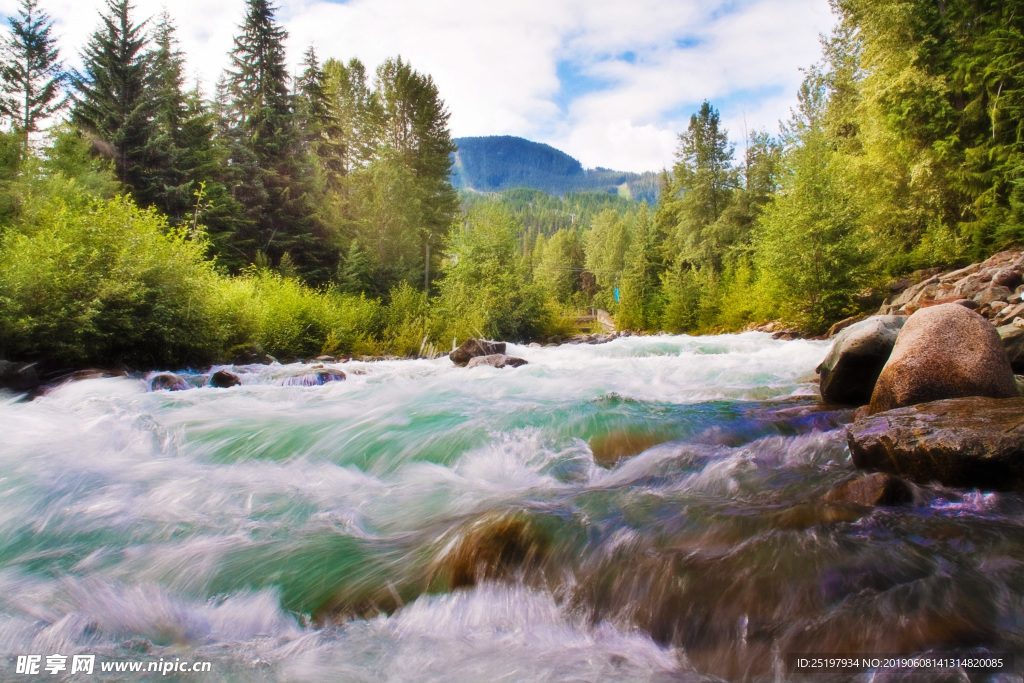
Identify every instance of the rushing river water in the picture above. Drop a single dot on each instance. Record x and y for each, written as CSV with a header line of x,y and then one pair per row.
x,y
425,522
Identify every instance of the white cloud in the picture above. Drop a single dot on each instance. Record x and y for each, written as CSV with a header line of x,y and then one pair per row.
x,y
496,64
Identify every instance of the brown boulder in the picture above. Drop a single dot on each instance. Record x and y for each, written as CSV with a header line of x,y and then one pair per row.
x,y
495,547
496,360
972,442
943,352
472,348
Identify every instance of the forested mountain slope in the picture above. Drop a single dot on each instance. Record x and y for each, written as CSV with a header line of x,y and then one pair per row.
x,y
502,162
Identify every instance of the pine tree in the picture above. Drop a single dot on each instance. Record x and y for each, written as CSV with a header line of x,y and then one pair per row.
x,y
171,184
113,106
33,76
264,145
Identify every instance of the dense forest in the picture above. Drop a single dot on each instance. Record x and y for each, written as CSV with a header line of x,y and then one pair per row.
x,y
147,223
503,162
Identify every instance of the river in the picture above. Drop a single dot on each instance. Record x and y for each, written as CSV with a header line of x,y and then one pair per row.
x,y
420,521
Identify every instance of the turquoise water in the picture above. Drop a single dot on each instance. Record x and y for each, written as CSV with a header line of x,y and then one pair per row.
x,y
424,522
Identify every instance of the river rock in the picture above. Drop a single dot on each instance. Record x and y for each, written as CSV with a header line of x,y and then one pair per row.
x,y
18,376
222,379
472,348
250,354
608,449
873,490
944,351
848,373
168,381
963,442
496,360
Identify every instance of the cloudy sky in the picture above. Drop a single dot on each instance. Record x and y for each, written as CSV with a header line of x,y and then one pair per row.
x,y
611,83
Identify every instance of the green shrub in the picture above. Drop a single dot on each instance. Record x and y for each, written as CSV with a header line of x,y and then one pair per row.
x,y
105,283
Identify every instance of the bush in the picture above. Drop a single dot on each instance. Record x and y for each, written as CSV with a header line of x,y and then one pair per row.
x,y
104,282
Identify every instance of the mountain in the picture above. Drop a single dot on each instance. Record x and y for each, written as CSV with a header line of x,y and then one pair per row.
x,y
502,162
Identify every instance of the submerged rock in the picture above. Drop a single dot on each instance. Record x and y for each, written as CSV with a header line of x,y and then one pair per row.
x,y
222,379
873,490
944,351
168,381
611,448
472,348
496,360
972,442
494,547
859,353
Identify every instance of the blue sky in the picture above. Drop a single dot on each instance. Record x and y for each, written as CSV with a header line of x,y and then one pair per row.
x,y
611,83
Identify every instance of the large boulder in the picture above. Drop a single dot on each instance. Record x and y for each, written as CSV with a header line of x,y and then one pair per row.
x,y
472,348
848,373
1013,343
496,360
944,351
972,442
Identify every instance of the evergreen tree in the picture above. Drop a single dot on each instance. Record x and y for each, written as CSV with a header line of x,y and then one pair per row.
x,y
113,106
702,187
263,149
33,76
171,181
411,120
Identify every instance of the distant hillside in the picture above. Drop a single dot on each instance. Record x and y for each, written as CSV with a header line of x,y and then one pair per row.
x,y
496,163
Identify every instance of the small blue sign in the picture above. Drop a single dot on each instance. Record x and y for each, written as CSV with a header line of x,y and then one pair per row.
x,y
616,295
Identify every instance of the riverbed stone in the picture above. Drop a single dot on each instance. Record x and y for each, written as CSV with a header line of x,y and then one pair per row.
x,y
849,372
972,442
473,348
496,360
944,351
224,379
168,381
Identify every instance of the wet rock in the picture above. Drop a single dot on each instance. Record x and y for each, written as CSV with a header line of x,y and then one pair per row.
x,y
1012,337
222,379
809,516
473,348
611,448
18,376
973,442
168,381
495,547
326,359
849,372
873,490
496,360
943,352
